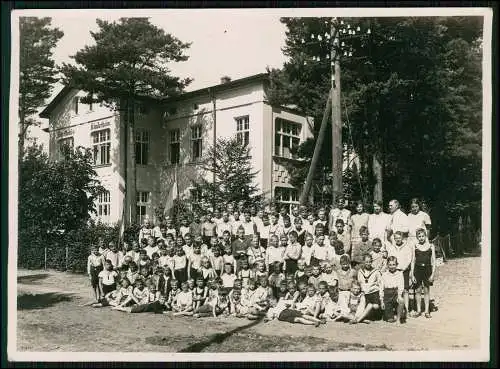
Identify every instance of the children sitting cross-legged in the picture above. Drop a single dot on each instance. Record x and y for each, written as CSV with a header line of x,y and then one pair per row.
x,y
255,298
115,297
216,303
182,303
352,305
236,306
200,293
310,305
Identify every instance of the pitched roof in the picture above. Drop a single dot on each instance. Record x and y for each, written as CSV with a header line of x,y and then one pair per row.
x,y
45,113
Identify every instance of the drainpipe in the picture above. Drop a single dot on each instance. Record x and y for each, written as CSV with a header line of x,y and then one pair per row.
x,y
214,142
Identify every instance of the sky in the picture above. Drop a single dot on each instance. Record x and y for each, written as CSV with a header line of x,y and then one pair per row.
x,y
232,42
235,44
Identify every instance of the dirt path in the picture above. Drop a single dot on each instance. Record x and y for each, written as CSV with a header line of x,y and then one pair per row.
x,y
50,318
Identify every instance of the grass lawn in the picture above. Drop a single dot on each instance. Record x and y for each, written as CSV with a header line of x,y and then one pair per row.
x,y
50,319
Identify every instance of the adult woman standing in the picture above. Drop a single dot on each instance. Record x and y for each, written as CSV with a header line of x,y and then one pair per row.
x,y
417,218
377,222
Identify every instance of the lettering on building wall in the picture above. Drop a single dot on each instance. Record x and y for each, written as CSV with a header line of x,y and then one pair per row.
x,y
99,125
65,132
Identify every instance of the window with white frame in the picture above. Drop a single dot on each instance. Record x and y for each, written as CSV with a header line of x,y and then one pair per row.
x,y
104,206
62,143
286,137
285,196
143,199
175,146
196,142
101,146
243,129
142,146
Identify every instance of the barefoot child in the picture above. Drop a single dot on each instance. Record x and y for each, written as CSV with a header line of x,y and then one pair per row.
x,y
391,291
95,264
423,267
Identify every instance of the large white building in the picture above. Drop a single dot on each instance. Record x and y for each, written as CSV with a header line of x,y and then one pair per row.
x,y
171,136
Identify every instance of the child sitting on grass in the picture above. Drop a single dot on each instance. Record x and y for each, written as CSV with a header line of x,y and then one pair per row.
x,y
283,311
310,305
107,278
200,293
352,305
182,303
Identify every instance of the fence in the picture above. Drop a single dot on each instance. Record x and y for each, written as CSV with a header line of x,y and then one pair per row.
x,y
450,246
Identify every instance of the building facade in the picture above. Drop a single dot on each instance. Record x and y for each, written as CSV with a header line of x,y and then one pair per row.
x,y
171,135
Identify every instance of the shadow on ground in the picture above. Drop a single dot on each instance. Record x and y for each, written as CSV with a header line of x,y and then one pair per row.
x,y
41,300
32,278
218,337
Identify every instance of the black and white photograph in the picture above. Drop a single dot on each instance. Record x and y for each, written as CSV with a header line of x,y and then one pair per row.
x,y
250,184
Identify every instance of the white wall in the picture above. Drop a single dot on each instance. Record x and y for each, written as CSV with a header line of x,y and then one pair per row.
x,y
65,123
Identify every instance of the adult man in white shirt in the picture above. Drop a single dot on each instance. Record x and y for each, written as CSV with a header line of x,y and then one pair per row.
x,y
398,222
339,212
378,222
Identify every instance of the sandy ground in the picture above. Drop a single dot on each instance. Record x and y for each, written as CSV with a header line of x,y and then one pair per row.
x,y
50,319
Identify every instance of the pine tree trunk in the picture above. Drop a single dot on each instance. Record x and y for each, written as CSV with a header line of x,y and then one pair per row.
x,y
377,175
131,166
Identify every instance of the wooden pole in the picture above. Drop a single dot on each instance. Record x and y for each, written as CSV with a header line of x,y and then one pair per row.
x,y
67,252
317,149
45,257
336,116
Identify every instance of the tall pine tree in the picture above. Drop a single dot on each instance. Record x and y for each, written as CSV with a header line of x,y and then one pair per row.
x,y
37,70
129,61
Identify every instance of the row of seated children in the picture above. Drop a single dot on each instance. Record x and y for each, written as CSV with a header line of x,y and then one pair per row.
x,y
345,295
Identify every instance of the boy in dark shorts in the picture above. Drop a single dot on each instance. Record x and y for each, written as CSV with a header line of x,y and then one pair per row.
x,y
391,292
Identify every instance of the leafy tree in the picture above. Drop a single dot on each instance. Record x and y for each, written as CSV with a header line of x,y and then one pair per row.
x,y
229,162
57,195
411,97
56,199
128,63
37,70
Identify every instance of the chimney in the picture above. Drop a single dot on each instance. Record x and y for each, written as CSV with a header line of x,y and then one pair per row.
x,y
225,79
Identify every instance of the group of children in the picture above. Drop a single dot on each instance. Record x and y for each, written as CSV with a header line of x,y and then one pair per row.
x,y
265,267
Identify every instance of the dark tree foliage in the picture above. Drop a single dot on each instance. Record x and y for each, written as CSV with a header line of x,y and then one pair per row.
x,y
37,70
229,161
411,96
